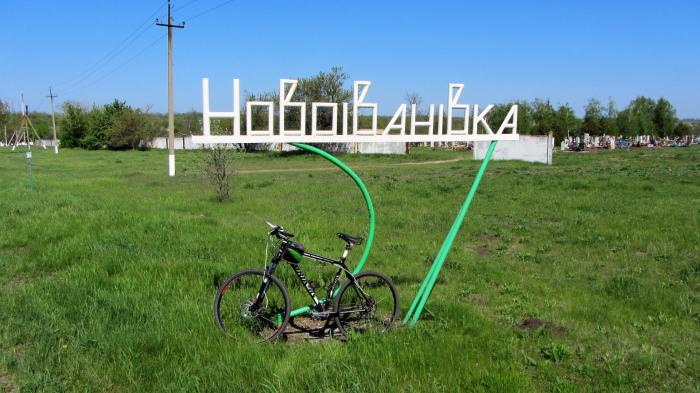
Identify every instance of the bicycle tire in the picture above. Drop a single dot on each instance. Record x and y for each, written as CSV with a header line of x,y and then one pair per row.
x,y
236,315
347,321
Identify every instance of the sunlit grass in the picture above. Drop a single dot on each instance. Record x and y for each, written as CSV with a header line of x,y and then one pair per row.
x,y
108,272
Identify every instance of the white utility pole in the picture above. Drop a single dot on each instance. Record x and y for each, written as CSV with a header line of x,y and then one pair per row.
x,y
53,122
171,114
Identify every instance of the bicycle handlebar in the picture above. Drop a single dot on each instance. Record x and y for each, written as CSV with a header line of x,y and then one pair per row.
x,y
278,231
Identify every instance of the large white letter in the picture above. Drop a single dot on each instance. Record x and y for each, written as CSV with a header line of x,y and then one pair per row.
x,y
481,118
359,102
207,115
452,104
428,123
314,119
249,118
286,101
392,124
511,121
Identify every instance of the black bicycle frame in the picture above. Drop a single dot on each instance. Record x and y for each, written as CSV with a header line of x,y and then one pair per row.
x,y
340,264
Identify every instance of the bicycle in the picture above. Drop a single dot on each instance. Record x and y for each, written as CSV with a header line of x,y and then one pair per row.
x,y
258,301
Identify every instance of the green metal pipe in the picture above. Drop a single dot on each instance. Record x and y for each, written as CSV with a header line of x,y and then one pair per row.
x,y
423,295
368,202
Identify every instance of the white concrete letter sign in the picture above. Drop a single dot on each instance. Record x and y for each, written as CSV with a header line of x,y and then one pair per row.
x,y
476,123
207,115
286,102
455,91
358,103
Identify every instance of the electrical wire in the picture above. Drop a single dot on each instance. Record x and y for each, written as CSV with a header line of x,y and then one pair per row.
x,y
208,11
184,6
120,66
123,45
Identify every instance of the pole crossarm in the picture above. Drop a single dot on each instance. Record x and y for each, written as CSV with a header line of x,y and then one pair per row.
x,y
428,283
368,202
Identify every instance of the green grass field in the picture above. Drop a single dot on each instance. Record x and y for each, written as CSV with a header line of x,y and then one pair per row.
x,y
582,276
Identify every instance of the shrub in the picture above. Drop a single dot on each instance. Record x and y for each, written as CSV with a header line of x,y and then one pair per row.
x,y
219,170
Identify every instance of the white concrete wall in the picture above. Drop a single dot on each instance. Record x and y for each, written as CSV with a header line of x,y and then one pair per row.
x,y
381,148
180,143
362,148
530,148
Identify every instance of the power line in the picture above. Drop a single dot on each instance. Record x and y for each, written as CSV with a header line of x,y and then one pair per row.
x,y
185,6
107,61
120,66
118,49
209,10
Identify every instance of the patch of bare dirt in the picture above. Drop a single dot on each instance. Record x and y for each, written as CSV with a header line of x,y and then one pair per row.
x,y
533,324
7,385
301,329
478,298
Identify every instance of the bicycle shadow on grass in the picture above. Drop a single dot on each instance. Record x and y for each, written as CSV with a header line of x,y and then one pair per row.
x,y
304,329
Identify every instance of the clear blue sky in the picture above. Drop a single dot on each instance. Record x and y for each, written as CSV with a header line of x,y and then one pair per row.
x,y
567,51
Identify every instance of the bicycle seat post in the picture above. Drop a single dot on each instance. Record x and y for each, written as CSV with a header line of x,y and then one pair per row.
x,y
346,251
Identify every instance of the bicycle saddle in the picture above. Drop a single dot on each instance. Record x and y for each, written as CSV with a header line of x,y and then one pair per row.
x,y
351,239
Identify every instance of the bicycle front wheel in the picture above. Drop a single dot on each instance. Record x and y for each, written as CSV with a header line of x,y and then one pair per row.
x,y
236,314
374,308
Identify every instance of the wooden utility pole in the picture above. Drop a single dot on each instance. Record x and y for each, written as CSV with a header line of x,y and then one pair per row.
x,y
171,114
53,121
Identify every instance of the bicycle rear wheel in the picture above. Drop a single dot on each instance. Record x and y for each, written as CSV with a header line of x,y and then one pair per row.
x,y
235,314
374,313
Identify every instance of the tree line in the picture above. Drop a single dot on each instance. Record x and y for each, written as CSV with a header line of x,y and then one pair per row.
x,y
120,126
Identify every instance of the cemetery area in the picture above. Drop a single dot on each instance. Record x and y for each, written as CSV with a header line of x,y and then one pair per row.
x,y
579,276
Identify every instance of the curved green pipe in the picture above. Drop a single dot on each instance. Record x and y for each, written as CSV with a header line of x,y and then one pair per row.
x,y
368,201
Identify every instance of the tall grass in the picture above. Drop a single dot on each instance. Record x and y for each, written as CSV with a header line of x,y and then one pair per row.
x,y
109,268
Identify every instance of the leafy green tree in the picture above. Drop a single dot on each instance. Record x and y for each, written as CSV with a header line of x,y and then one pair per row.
x,y
641,116
682,129
188,123
259,116
130,129
324,87
665,119
4,113
566,122
544,117
100,119
73,125
624,123
593,119
526,123
609,124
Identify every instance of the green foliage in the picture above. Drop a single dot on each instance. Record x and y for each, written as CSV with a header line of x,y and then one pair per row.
x,y
641,116
129,129
324,87
593,118
682,128
555,352
115,125
4,113
566,122
218,168
73,125
665,118
544,117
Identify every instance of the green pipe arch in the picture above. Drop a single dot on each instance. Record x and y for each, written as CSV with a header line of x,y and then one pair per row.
x,y
368,202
